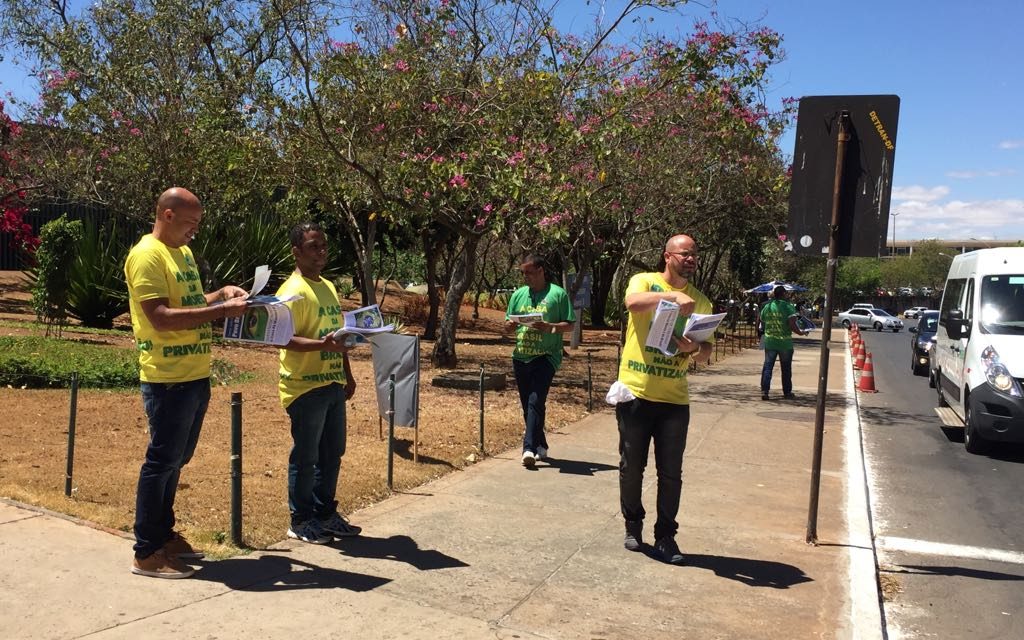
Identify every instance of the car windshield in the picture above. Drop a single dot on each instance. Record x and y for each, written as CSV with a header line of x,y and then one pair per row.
x,y
929,323
881,312
1002,304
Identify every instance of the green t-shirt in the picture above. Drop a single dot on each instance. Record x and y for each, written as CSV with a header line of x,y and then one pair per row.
x,y
554,305
775,316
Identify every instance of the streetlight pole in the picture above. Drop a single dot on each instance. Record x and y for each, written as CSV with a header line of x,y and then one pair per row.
x,y
894,214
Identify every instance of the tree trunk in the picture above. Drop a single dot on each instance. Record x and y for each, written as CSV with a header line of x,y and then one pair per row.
x,y
431,256
443,355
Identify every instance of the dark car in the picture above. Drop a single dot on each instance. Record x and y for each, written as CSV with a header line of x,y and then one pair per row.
x,y
922,340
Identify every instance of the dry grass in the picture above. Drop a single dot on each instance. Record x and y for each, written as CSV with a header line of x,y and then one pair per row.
x,y
111,433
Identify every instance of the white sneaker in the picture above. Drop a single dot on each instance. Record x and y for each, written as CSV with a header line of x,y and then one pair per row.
x,y
542,453
529,459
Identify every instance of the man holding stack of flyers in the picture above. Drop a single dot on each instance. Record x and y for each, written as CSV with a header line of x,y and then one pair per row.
x,y
539,312
315,382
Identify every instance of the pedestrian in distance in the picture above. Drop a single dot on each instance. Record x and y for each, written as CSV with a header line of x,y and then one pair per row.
x,y
315,382
538,351
780,320
657,407
171,319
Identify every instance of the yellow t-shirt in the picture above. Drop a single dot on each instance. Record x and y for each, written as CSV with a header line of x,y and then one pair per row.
x,y
315,315
153,270
647,372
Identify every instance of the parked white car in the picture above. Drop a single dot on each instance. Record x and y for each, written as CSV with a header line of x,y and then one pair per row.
x,y
877,319
914,312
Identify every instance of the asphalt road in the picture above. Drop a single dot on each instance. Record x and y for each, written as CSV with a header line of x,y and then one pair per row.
x,y
948,525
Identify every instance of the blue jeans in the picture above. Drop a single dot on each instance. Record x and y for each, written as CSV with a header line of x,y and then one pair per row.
x,y
785,357
640,422
318,442
534,380
175,412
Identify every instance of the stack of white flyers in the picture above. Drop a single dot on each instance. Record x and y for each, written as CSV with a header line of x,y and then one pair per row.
x,y
527,318
364,321
266,320
699,327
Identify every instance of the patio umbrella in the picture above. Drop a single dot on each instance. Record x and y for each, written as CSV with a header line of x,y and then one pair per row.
x,y
768,287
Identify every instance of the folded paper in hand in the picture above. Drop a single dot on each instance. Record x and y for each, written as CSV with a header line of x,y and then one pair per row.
x,y
361,322
667,324
266,319
527,318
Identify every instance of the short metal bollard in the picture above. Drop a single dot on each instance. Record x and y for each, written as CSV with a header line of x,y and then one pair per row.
x,y
73,412
391,432
236,468
590,383
481,409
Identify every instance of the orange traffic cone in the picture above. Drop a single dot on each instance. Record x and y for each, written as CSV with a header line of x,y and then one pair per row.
x,y
858,355
867,377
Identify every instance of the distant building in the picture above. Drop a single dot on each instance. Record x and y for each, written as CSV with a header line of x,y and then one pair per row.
x,y
906,247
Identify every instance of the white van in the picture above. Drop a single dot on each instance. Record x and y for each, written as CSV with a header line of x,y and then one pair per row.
x,y
977,363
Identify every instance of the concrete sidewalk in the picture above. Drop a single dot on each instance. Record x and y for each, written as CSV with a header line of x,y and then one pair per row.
x,y
497,551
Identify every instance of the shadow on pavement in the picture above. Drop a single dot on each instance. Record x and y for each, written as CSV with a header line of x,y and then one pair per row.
x,y
753,573
955,571
398,548
576,467
723,393
280,573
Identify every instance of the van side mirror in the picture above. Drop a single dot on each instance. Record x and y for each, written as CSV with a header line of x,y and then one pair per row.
x,y
955,324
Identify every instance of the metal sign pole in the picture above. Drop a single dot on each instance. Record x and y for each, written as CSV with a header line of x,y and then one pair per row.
x,y
826,328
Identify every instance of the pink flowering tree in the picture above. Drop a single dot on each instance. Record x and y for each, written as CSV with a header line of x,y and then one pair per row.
x,y
15,184
140,95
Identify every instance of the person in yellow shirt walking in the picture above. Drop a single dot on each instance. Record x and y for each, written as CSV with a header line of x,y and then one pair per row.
x,y
657,405
316,380
171,319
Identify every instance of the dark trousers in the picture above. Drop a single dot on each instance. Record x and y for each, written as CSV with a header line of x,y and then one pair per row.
x,y
175,412
785,357
534,380
318,442
640,422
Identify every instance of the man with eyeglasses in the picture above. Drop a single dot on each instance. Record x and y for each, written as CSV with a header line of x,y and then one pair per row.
x,y
538,351
657,404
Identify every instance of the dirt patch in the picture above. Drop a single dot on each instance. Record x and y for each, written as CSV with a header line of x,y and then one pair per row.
x,y
111,432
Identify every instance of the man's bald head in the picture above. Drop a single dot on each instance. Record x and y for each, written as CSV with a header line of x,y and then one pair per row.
x,y
178,213
678,242
177,199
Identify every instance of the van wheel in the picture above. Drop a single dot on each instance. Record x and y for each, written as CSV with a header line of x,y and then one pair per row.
x,y
938,387
931,380
973,442
878,326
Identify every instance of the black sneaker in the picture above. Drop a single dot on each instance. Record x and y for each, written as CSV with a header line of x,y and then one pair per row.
x,y
789,396
669,550
764,396
634,535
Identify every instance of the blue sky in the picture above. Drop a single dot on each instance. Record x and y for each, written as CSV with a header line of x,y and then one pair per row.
x,y
957,66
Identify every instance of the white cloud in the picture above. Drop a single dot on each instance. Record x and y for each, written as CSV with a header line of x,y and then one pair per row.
x,y
1011,144
967,175
960,220
917,193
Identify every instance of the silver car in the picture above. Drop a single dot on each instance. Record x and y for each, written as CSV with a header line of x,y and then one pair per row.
x,y
877,319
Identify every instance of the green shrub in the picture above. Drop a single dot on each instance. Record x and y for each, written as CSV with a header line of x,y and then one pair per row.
x,y
97,292
55,257
41,363
38,363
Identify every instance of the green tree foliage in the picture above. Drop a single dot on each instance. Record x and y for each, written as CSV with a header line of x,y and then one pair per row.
x,y
55,257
